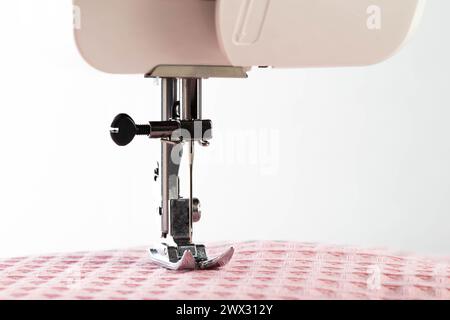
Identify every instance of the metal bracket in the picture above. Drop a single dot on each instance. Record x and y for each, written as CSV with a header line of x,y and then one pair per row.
x,y
197,72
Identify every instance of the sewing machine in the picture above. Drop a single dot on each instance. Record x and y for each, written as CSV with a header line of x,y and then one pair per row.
x,y
182,42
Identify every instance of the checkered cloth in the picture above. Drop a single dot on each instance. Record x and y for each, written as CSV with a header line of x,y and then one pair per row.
x,y
259,270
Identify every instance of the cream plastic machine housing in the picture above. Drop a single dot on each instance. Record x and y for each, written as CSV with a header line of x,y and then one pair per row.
x,y
135,36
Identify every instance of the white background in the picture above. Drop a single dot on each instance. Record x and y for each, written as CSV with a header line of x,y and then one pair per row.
x,y
350,156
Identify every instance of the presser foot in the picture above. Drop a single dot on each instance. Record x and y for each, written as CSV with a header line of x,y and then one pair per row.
x,y
189,257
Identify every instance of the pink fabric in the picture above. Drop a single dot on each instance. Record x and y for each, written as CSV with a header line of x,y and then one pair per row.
x,y
259,270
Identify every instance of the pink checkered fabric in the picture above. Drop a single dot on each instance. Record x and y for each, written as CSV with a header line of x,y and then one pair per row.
x,y
259,270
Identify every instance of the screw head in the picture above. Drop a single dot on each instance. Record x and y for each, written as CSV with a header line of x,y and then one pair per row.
x,y
123,129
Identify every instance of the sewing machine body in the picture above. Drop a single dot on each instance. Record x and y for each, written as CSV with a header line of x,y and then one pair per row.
x,y
135,36
183,42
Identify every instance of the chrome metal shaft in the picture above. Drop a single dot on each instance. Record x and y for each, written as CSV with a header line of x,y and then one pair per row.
x,y
169,169
191,109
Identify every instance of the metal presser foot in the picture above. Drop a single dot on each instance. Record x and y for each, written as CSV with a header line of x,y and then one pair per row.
x,y
181,125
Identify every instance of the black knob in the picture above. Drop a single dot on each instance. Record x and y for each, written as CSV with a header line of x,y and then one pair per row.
x,y
124,129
